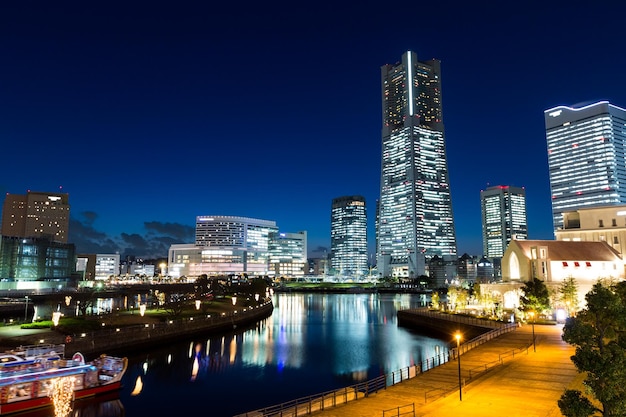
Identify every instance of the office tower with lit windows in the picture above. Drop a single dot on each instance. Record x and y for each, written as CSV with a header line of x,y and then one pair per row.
x,y
33,245
415,219
36,215
288,254
348,236
586,157
503,211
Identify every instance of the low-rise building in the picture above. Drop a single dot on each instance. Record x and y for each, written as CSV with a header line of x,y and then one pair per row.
x,y
553,262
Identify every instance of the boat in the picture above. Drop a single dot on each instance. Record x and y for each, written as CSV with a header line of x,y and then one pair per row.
x,y
28,375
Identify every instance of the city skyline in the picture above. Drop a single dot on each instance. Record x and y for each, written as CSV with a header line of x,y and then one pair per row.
x,y
149,115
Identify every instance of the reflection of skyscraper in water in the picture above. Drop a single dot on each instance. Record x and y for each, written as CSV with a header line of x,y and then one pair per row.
x,y
415,209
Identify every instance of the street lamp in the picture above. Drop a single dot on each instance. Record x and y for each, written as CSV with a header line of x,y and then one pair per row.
x,y
458,358
532,318
26,309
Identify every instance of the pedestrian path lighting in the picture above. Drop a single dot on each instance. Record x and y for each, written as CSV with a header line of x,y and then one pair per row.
x,y
142,309
532,321
458,358
198,303
234,298
55,318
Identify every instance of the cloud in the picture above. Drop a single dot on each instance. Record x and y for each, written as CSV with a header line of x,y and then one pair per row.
x,y
153,244
174,230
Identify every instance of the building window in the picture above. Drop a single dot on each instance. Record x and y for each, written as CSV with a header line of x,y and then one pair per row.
x,y
588,264
576,264
614,222
615,241
600,223
564,264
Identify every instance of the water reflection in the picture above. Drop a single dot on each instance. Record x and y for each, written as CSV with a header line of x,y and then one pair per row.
x,y
310,344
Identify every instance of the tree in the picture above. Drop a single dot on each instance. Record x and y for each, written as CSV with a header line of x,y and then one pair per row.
x,y
535,297
175,305
569,294
597,332
434,300
457,297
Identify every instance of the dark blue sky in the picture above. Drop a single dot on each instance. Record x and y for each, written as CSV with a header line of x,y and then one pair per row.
x,y
151,113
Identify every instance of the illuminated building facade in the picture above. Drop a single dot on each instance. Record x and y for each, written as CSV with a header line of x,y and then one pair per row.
x,y
288,254
34,244
32,259
415,219
596,224
503,210
348,236
225,245
107,265
586,157
36,215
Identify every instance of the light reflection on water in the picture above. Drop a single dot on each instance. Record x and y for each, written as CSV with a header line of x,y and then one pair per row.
x,y
312,343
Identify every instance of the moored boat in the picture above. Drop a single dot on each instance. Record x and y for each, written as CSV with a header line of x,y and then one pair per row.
x,y
28,374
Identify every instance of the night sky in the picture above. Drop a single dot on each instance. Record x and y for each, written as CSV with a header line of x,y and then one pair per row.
x,y
151,113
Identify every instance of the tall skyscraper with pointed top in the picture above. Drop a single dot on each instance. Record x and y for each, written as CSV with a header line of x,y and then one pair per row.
x,y
415,219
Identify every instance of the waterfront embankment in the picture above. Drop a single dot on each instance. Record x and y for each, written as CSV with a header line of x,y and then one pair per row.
x,y
501,372
126,339
447,325
507,375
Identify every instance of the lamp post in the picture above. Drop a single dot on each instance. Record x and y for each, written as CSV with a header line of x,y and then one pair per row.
x,y
458,358
532,318
26,310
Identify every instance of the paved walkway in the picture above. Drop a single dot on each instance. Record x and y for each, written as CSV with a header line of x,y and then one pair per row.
x,y
527,383
11,336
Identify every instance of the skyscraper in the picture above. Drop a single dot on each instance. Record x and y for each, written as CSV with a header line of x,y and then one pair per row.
x,y
348,236
504,218
586,157
415,218
36,215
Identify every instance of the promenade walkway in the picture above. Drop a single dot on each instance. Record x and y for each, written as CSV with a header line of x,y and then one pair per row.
x,y
497,383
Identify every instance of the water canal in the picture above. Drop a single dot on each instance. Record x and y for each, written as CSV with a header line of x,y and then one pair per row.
x,y
312,343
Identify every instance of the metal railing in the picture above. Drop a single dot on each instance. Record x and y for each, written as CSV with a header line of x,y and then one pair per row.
x,y
457,318
318,402
116,337
403,410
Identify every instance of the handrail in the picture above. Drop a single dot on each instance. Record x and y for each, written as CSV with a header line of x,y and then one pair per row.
x,y
328,399
402,410
116,337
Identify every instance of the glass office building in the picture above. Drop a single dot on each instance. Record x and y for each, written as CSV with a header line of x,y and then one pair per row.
x,y
415,219
288,254
504,218
348,236
586,157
